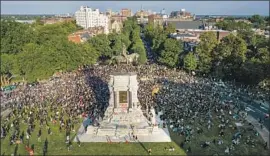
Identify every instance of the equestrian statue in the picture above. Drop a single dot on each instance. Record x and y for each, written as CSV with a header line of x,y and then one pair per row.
x,y
124,58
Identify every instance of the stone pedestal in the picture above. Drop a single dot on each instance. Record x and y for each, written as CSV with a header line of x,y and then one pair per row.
x,y
124,115
91,130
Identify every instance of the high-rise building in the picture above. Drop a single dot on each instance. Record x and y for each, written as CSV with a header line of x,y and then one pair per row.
x,y
89,18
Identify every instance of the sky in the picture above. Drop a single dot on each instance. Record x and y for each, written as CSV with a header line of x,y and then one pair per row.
x,y
195,7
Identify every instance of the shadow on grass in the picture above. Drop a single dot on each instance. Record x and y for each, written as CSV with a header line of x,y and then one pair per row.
x,y
146,150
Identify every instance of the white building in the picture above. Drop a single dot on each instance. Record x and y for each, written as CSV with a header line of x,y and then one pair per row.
x,y
89,18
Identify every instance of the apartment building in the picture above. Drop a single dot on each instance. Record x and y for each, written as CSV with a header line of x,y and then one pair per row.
x,y
89,18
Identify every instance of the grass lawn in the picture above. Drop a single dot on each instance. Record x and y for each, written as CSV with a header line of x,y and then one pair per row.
x,y
57,145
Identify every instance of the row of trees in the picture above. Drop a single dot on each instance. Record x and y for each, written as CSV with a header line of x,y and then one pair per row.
x,y
234,58
33,52
112,44
256,21
244,57
166,50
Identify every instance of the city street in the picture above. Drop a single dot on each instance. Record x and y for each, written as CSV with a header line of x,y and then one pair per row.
x,y
150,56
257,111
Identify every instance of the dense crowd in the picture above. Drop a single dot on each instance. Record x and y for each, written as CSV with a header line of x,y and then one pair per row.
x,y
193,110
189,104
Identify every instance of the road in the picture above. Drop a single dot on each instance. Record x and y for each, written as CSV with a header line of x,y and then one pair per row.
x,y
149,53
253,108
259,111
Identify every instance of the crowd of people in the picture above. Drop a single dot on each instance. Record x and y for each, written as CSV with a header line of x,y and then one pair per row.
x,y
195,109
190,105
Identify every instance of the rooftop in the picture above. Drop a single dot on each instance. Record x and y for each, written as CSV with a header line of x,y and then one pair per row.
x,y
187,24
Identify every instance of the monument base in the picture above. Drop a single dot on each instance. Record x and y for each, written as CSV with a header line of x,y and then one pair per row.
x,y
123,118
113,134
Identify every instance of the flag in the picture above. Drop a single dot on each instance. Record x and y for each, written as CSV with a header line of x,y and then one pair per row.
x,y
155,90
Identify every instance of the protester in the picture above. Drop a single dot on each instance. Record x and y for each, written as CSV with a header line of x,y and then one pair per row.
x,y
189,104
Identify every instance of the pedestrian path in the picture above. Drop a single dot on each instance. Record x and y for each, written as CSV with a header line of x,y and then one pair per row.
x,y
263,132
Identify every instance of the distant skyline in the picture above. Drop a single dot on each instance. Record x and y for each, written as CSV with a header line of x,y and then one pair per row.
x,y
195,7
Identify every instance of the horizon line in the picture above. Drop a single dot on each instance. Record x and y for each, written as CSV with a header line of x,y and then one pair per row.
x,y
195,14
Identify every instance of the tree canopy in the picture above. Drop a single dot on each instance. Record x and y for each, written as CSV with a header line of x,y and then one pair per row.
x,y
170,53
33,52
190,62
208,41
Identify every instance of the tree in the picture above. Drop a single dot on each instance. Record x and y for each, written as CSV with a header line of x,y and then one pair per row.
x,y
7,64
117,46
128,26
46,51
256,42
170,28
149,32
230,54
135,34
232,47
257,20
139,49
26,61
88,54
14,35
190,62
246,35
125,39
208,41
157,42
231,25
39,21
170,54
102,44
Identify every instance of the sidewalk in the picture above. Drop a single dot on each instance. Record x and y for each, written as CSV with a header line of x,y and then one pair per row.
x,y
263,132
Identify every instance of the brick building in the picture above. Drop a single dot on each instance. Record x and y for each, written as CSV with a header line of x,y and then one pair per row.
x,y
83,35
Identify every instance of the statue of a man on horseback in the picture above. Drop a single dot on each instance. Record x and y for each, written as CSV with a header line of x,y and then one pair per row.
x,y
125,58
